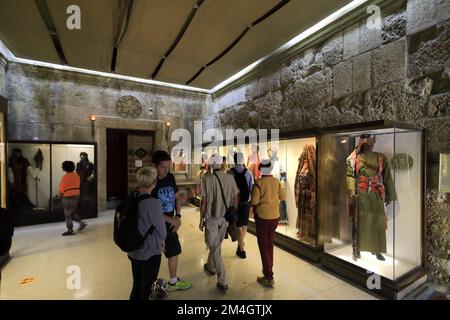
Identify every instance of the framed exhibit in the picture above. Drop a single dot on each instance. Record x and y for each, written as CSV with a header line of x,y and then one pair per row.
x,y
179,162
444,172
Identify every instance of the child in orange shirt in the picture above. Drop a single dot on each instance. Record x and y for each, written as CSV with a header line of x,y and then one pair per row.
x,y
69,191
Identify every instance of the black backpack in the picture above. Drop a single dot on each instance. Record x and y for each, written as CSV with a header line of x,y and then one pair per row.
x,y
126,232
241,181
6,231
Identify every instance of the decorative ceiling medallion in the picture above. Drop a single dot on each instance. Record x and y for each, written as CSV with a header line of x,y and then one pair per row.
x,y
140,153
129,106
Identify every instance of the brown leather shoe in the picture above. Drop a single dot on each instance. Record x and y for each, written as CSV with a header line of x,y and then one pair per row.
x,y
266,282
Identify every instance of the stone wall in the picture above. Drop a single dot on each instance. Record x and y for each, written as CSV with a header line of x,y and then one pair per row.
x,y
55,105
398,72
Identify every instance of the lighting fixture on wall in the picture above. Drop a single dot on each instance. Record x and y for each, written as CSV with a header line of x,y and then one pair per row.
x,y
167,133
93,118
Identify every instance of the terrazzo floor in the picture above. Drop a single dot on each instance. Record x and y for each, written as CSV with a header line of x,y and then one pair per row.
x,y
42,262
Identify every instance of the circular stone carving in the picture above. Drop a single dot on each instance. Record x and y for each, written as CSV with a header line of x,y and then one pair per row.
x,y
129,106
402,162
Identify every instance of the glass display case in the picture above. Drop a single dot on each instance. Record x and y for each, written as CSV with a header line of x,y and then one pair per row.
x,y
3,180
371,204
34,175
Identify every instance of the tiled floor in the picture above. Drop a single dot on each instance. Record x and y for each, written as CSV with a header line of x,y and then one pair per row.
x,y
42,256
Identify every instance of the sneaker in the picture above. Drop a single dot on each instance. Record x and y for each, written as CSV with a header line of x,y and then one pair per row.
x,y
222,287
179,285
82,226
265,282
68,233
205,267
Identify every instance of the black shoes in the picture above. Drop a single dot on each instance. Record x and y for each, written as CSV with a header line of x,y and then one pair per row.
x,y
241,253
380,257
205,267
222,287
68,233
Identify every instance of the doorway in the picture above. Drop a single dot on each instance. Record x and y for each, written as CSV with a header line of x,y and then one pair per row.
x,y
127,151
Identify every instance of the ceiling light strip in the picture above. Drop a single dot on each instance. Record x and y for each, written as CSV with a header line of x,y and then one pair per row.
x,y
46,16
241,35
294,41
178,38
109,75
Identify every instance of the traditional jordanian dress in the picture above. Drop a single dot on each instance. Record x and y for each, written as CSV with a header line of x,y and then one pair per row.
x,y
369,177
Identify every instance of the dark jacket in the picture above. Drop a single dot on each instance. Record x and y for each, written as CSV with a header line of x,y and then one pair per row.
x,y
6,231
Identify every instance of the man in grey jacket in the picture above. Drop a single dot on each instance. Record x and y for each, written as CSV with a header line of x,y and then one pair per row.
x,y
212,216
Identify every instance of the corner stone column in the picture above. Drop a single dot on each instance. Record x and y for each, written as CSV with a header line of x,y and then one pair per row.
x,y
3,66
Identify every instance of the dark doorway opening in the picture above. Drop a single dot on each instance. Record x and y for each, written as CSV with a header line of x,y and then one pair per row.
x,y
127,151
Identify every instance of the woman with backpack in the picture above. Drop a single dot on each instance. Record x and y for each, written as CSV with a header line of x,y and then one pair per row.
x,y
146,260
244,180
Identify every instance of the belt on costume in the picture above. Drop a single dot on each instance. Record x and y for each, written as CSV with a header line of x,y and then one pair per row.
x,y
371,184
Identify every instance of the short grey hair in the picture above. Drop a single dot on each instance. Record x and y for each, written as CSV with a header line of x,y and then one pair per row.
x,y
215,161
146,176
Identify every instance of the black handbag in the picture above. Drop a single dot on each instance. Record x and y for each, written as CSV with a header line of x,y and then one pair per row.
x,y
231,212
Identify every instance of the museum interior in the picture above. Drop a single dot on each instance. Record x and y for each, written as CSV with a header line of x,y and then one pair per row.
x,y
352,88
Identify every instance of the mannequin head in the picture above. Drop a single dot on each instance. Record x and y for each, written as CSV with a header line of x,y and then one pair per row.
x,y
369,143
83,156
17,153
272,152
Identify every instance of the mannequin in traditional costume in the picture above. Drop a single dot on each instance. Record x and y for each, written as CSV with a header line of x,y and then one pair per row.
x,y
18,170
85,169
305,193
370,183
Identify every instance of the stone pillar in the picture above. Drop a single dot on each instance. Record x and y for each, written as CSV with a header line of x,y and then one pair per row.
x,y
3,66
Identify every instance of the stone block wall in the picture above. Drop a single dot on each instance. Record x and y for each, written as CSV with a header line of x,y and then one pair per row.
x,y
398,72
55,105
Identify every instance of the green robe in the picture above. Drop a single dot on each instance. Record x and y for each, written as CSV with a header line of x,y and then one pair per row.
x,y
371,218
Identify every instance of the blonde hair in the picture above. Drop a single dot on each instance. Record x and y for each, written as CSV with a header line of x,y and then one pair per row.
x,y
146,176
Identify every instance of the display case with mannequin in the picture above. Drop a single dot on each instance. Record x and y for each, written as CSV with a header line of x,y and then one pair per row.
x,y
34,175
371,203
